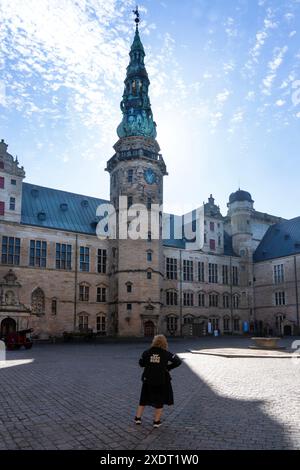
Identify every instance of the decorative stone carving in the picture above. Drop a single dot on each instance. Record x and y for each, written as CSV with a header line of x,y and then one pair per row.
x,y
38,301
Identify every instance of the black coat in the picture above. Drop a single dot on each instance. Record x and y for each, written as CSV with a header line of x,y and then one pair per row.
x,y
157,389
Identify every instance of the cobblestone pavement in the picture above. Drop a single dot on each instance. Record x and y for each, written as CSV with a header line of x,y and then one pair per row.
x,y
84,397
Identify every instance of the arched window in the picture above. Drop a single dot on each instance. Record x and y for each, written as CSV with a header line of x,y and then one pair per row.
x,y
226,324
201,299
226,303
188,319
213,299
172,324
236,301
134,87
38,301
171,297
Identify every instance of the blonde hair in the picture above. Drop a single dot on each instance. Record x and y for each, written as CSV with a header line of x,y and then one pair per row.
x,y
160,341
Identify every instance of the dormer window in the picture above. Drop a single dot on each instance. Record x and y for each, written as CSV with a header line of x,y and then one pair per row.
x,y
1,165
1,182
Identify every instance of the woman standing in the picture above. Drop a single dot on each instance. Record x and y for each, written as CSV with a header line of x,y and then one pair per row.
x,y
157,389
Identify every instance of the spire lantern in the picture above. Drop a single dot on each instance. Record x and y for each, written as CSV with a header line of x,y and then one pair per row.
x,y
135,105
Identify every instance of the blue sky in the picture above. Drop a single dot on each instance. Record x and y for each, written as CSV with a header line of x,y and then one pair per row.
x,y
225,93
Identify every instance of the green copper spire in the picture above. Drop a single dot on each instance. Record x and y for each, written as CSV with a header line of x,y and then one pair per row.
x,y
135,105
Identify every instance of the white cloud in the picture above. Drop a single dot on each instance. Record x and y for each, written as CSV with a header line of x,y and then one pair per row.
x,y
78,50
223,96
273,65
280,103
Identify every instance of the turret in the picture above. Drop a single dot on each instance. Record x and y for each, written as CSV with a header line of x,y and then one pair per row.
x,y
240,209
11,177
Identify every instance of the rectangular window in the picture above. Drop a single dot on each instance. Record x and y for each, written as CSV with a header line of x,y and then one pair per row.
x,y
201,277
225,301
83,322
84,259
63,256
278,274
130,176
212,226
101,261
149,256
12,204
188,299
149,202
226,324
129,202
101,294
38,253
13,182
84,293
149,275
225,275
54,306
201,299
172,323
213,273
212,244
1,165
129,306
235,276
188,270
11,250
129,288
213,300
171,268
280,298
171,298
2,207
236,324
1,182
101,324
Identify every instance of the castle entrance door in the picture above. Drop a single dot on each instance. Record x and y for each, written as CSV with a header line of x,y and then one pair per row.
x,y
8,325
149,328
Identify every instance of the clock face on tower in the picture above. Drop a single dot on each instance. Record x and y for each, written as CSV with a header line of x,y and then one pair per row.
x,y
149,176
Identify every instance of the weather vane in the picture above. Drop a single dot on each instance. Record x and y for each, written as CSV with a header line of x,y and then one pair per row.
x,y
137,14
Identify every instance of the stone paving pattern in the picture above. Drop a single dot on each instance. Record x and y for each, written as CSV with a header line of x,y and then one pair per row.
x,y
84,396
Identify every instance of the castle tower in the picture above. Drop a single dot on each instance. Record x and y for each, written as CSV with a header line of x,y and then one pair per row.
x,y
136,174
11,177
240,209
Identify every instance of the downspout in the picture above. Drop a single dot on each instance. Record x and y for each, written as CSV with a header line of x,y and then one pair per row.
x,y
297,293
231,306
180,291
75,281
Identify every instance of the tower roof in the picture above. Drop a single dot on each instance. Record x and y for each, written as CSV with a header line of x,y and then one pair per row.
x,y
135,105
240,196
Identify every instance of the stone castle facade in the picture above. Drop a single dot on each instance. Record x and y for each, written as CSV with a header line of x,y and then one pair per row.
x,y
236,273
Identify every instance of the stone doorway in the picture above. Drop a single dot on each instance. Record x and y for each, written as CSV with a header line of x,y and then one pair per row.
x,y
149,329
8,325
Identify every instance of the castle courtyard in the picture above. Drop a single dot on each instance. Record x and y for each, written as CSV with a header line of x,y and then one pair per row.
x,y
84,396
